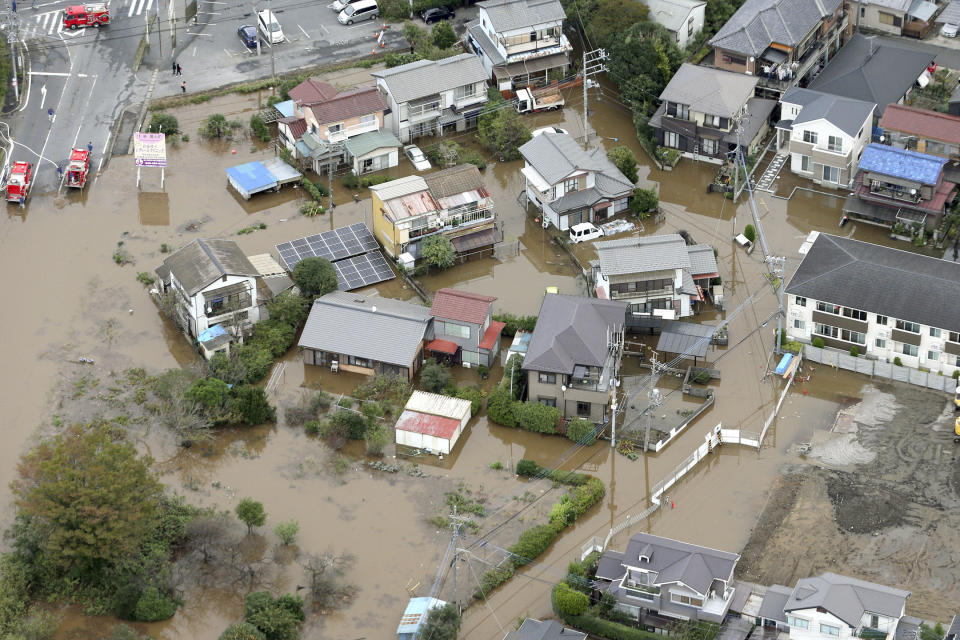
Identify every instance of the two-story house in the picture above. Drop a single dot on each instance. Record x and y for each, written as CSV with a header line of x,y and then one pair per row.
x,y
930,132
569,363
900,189
914,18
520,42
464,328
213,283
886,302
824,135
654,273
683,18
433,97
324,120
569,185
658,581
700,109
782,42
452,202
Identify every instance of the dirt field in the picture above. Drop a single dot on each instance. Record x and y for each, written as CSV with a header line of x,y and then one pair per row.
x,y
893,519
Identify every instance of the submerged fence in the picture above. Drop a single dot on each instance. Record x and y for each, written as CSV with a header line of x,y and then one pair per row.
x,y
880,369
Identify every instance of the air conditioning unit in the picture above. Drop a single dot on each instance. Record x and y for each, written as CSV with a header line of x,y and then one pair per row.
x,y
334,366
467,365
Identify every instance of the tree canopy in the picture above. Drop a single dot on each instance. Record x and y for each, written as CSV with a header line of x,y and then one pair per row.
x,y
442,623
624,160
642,61
315,277
438,251
501,130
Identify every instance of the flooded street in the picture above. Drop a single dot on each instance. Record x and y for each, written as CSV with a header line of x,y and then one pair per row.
x,y
67,299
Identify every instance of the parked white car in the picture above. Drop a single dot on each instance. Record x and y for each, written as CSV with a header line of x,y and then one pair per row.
x,y
949,30
583,232
420,162
537,132
340,5
270,27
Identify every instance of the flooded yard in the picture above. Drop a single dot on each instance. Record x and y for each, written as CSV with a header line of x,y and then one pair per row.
x,y
68,299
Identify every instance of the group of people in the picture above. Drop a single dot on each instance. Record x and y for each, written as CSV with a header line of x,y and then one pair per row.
x,y
781,72
178,71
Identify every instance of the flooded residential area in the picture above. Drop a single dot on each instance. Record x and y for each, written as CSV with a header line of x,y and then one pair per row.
x,y
797,455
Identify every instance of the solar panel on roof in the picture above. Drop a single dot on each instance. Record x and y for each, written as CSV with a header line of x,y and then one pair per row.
x,y
363,270
333,245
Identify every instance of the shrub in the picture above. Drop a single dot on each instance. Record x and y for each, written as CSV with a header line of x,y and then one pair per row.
x,y
250,405
210,393
153,606
537,417
493,579
259,128
435,378
533,542
287,531
437,251
818,343
443,35
352,425
312,427
278,618
251,513
314,277
163,123
582,431
215,125
242,631
854,352
527,468
474,395
625,161
956,374
397,59
750,233
644,202
502,131
896,361
515,323
496,465
376,439
570,602
274,335
501,408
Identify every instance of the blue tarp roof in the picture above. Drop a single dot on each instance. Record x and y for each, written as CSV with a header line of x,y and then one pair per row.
x,y
414,614
902,163
285,108
252,176
211,333
784,363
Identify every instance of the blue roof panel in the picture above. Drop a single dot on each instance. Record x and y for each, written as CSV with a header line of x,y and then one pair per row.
x,y
252,176
902,163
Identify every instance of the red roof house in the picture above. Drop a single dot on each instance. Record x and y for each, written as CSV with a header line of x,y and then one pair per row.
x,y
465,319
921,130
432,422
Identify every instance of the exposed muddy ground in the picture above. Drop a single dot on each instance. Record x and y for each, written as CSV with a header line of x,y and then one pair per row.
x,y
893,520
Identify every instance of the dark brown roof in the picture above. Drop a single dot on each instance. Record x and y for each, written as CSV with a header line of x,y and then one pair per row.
x,y
450,182
926,124
349,104
297,126
311,91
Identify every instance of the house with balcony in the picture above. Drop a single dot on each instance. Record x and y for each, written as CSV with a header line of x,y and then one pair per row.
x,y
659,581
699,111
904,190
325,119
569,363
452,202
781,42
885,302
656,275
913,18
929,132
569,185
213,283
683,18
433,97
872,71
464,329
824,135
520,42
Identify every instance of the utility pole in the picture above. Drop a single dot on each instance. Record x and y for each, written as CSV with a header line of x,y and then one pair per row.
x,y
273,60
654,398
13,34
256,29
456,523
778,270
593,63
615,350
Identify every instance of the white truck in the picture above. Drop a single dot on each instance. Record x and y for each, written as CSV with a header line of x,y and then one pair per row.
x,y
536,100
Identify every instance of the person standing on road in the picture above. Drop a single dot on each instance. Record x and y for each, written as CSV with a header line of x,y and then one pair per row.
x,y
60,170
50,114
179,69
173,67
90,147
183,86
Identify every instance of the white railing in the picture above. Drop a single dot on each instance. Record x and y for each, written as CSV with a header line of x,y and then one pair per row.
x,y
353,130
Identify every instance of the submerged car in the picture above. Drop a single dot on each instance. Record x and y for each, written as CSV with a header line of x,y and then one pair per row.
x,y
420,162
583,232
537,132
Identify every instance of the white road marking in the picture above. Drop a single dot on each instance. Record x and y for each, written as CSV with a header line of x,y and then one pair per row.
x,y
304,32
149,4
49,73
60,27
325,30
43,95
194,54
189,33
105,148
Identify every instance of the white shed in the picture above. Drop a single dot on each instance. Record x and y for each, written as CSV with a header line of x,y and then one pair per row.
x,y
432,422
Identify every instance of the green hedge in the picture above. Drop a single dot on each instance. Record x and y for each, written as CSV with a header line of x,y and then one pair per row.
x,y
500,408
515,323
493,579
529,468
534,541
569,601
533,416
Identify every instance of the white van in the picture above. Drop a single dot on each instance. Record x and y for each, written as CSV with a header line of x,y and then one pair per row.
x,y
270,27
583,232
340,5
362,10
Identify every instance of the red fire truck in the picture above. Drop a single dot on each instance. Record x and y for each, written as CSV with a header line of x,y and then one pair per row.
x,y
18,184
86,15
78,168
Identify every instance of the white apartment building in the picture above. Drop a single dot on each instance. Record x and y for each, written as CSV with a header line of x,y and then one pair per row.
x,y
890,304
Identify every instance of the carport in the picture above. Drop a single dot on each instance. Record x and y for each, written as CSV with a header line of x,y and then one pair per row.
x,y
255,177
686,339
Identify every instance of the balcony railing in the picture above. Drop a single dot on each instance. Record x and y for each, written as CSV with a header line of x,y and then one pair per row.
x,y
641,591
541,46
353,130
422,111
646,293
449,220
895,194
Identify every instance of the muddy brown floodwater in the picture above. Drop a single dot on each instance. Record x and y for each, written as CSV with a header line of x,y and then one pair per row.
x,y
68,299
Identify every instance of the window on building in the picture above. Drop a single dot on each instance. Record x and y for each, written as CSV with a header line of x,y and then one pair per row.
x,y
690,27
810,137
910,350
548,378
890,20
335,128
828,308
465,91
711,121
550,402
853,336
583,409
805,164
683,111
882,320
860,133
569,185
360,362
728,59
688,600
798,324
954,336
934,332
801,301
827,330
912,327
855,314
933,355
798,623
829,630
671,140
835,144
708,146
880,343
370,118
456,330
831,174
956,362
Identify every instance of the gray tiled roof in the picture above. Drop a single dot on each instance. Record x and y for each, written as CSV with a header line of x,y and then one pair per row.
x,y
759,23
847,114
571,330
846,598
702,259
672,14
482,38
953,631
342,322
202,262
713,91
557,155
773,602
428,77
509,15
610,566
889,282
674,561
643,254
547,630
866,69
898,5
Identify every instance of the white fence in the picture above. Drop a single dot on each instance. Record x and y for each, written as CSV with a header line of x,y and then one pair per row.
x,y
879,369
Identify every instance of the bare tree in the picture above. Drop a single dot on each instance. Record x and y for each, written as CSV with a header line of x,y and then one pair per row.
x,y
209,535
177,412
325,573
